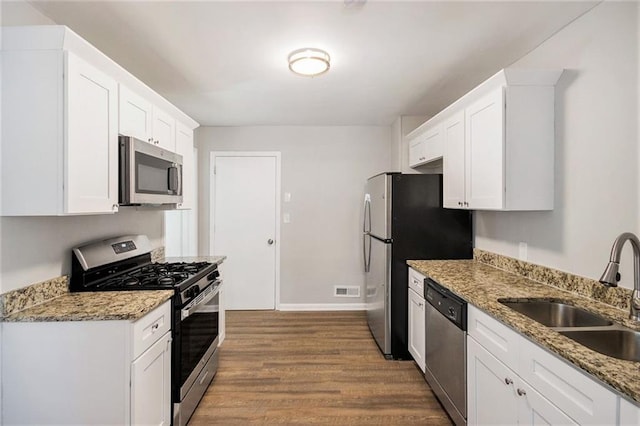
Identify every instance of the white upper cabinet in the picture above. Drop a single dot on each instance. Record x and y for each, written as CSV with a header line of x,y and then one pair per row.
x,y
136,117
184,147
453,165
64,103
91,143
484,153
164,130
426,144
499,143
143,120
59,137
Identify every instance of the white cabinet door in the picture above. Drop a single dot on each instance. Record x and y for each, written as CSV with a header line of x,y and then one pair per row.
x,y
453,162
534,409
629,413
184,147
164,130
416,149
490,388
151,385
416,328
484,152
135,115
497,395
433,143
91,167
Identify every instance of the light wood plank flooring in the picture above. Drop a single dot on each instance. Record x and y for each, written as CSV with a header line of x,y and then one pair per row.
x,y
312,368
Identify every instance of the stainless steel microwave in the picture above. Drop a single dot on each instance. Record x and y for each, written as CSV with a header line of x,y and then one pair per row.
x,y
148,174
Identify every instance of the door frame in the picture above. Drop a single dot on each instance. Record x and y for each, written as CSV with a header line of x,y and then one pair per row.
x,y
212,187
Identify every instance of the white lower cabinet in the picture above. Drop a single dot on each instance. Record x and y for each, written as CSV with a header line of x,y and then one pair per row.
x,y
416,328
497,395
511,380
88,372
151,385
416,318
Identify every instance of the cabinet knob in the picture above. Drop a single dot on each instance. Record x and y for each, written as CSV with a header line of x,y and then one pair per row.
x,y
521,392
150,140
508,381
459,203
114,207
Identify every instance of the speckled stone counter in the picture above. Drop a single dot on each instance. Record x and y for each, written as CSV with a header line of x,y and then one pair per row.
x,y
482,285
212,259
94,306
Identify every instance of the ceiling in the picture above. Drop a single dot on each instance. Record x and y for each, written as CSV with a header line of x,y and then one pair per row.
x,y
224,63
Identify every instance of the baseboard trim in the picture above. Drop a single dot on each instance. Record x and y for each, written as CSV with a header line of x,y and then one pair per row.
x,y
322,307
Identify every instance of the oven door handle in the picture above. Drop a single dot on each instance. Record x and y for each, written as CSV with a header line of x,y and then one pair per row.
x,y
194,305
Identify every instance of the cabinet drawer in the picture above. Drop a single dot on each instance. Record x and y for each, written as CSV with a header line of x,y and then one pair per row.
x,y
416,281
148,329
501,341
582,398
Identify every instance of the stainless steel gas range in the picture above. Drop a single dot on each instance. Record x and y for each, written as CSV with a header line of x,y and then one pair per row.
x,y
124,263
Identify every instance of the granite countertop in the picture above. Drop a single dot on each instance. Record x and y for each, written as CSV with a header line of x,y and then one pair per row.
x,y
482,285
94,306
212,259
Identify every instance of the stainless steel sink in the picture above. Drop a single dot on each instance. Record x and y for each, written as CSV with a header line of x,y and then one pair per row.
x,y
617,343
556,314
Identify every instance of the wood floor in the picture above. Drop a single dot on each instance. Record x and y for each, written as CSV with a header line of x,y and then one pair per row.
x,y
312,368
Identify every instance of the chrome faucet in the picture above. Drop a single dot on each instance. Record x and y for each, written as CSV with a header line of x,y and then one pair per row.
x,y
610,276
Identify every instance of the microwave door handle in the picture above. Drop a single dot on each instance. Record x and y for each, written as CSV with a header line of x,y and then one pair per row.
x,y
179,177
173,178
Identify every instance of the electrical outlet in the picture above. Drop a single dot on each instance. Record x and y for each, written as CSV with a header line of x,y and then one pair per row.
x,y
522,251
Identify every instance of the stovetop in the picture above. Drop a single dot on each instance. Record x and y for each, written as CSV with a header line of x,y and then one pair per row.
x,y
155,276
124,263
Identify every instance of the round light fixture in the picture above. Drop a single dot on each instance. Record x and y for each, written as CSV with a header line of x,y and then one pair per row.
x,y
309,61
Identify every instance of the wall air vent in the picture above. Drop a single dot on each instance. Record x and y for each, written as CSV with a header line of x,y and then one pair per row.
x,y
346,291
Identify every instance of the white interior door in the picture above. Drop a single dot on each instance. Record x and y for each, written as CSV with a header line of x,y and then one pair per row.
x,y
245,197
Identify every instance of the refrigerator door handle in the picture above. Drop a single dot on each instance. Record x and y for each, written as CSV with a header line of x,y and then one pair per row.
x,y
366,252
367,214
365,233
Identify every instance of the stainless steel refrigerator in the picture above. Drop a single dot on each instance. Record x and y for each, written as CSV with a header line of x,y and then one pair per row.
x,y
404,219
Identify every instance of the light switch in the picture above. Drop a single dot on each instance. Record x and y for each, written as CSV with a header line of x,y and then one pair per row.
x,y
286,218
287,197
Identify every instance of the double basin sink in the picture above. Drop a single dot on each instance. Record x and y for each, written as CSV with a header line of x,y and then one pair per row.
x,y
588,329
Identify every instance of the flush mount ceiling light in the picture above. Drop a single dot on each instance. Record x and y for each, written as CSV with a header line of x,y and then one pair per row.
x,y
309,61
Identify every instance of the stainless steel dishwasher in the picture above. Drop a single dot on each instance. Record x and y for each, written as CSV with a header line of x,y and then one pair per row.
x,y
446,349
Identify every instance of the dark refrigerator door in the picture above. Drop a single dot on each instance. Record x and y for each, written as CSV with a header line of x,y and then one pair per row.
x,y
421,229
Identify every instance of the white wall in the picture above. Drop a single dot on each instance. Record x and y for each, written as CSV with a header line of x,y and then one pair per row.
x,y
596,149
39,248
35,249
19,12
324,169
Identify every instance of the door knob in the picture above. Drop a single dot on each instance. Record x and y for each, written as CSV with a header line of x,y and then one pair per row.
x,y
270,241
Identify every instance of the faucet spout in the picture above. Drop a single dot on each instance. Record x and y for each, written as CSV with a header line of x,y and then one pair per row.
x,y
610,276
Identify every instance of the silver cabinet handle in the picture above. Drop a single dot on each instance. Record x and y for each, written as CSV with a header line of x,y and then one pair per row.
x,y
508,381
521,392
270,241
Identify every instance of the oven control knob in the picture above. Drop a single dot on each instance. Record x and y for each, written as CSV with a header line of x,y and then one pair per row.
x,y
212,276
452,311
195,290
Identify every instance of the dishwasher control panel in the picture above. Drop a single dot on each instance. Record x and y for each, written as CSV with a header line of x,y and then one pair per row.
x,y
448,304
